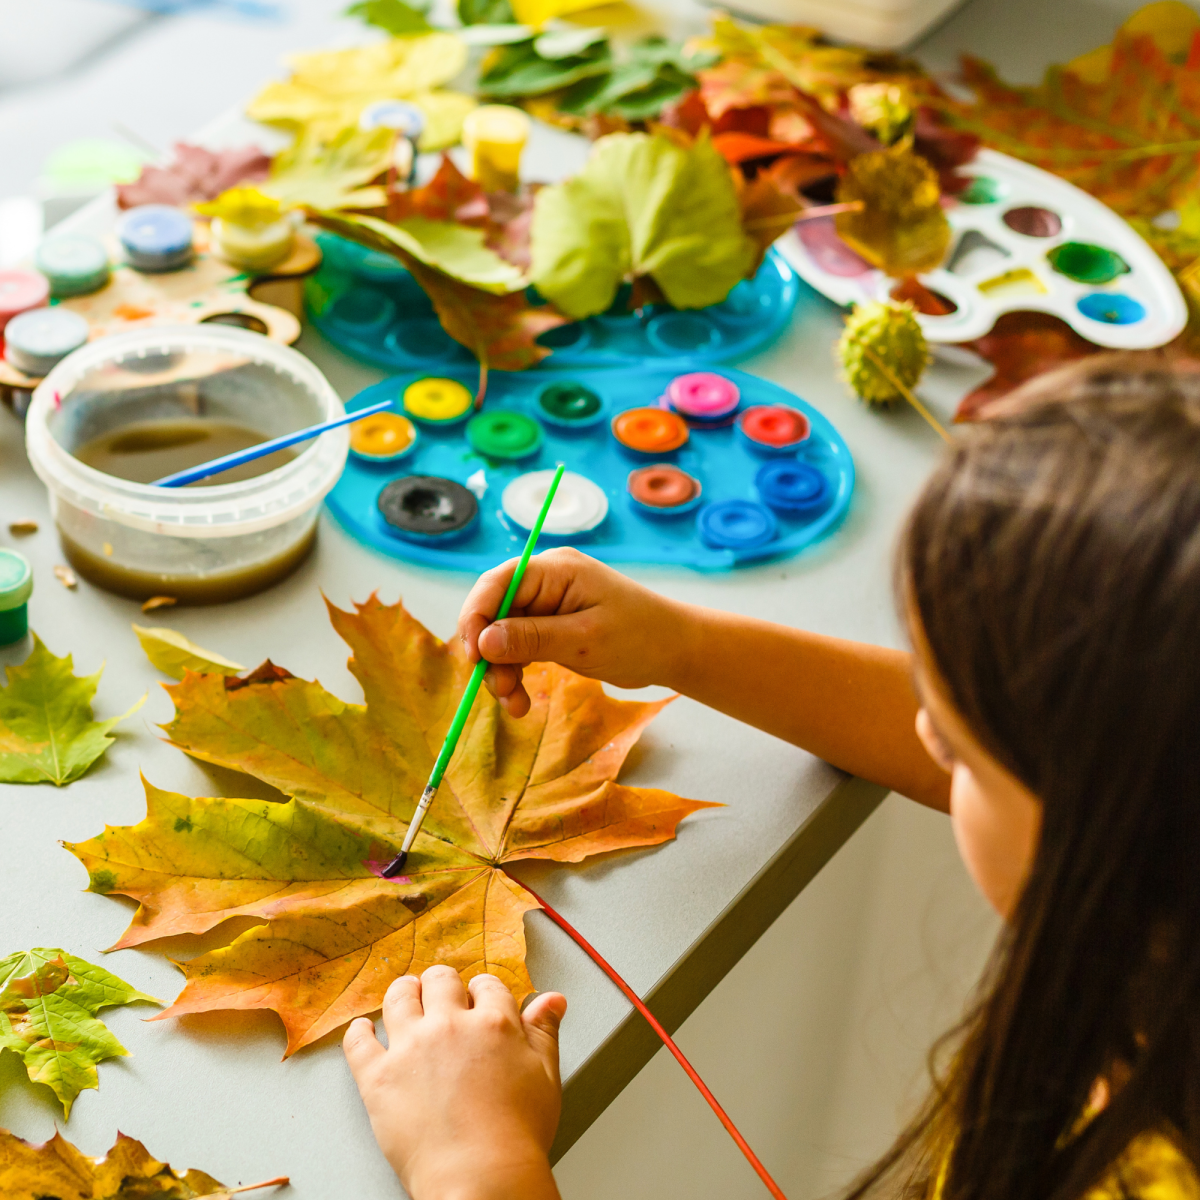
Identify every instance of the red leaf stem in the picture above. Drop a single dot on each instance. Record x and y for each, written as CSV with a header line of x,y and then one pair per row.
x,y
667,1040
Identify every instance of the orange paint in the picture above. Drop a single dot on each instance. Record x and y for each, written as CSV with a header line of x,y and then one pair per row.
x,y
132,312
382,436
650,430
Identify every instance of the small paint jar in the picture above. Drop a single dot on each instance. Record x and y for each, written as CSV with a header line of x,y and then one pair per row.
x,y
736,525
156,237
20,291
495,136
579,504
16,586
774,428
663,490
74,264
383,437
253,247
510,436
703,397
37,341
437,402
427,508
795,489
649,430
570,405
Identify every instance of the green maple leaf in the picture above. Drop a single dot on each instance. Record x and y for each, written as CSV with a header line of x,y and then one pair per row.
x,y
394,16
643,206
48,1005
47,734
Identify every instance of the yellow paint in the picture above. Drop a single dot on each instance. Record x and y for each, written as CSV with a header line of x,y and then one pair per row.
x,y
495,135
382,436
436,399
1019,282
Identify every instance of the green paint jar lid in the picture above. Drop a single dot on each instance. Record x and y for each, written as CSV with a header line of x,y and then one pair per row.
x,y
504,435
16,579
74,264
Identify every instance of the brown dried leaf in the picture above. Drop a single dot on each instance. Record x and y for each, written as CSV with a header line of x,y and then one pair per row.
x,y
66,576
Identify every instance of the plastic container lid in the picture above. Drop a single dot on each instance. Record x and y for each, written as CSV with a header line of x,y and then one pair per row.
x,y
506,435
736,525
16,579
21,290
156,237
74,264
569,403
36,342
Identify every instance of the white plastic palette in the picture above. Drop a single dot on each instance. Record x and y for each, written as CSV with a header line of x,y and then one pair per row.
x,y
1023,240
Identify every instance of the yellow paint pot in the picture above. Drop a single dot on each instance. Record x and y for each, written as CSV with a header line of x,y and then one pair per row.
x,y
437,401
384,437
495,135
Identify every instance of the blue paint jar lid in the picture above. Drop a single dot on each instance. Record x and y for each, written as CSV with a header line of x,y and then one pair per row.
x,y
37,341
16,579
405,118
156,237
736,525
795,488
74,264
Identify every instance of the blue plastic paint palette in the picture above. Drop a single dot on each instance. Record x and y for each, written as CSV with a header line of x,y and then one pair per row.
x,y
753,504
368,305
1023,240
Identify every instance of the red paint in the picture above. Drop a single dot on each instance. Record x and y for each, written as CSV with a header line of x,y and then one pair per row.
x,y
775,425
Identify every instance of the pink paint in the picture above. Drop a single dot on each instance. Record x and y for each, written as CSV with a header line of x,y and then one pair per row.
x,y
20,291
820,238
703,394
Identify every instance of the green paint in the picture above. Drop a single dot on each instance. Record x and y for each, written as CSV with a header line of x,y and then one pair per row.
x,y
569,401
1085,263
504,435
103,882
981,190
183,825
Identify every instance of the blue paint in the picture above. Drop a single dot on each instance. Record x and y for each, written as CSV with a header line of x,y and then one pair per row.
x,y
736,525
1112,308
156,237
792,487
368,305
719,458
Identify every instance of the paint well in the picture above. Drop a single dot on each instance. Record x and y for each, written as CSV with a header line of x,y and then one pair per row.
x,y
1086,263
1033,221
579,504
1112,308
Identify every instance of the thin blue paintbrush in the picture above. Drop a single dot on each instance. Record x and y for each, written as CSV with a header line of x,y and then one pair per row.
x,y
226,462
464,705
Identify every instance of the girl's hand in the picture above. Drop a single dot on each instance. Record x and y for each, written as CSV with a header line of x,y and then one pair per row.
x,y
465,1100
573,610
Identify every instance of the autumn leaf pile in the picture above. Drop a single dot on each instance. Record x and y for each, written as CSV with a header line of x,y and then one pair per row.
x,y
333,932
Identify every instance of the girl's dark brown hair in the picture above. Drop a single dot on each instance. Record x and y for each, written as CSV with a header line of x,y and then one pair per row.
x,y
1052,564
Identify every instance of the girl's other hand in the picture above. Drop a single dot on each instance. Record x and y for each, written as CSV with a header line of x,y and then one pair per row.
x,y
465,1099
573,610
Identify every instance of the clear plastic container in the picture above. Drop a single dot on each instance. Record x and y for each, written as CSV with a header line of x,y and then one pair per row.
x,y
201,544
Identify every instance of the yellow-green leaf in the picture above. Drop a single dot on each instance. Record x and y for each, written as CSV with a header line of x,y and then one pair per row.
x,y
48,1005
175,655
333,172
642,206
47,734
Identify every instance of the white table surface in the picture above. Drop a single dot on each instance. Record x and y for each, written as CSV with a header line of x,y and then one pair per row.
x,y
210,1091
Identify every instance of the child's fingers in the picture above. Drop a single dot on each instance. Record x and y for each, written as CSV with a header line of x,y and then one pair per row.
x,y
489,993
401,1002
541,1020
361,1046
537,639
442,990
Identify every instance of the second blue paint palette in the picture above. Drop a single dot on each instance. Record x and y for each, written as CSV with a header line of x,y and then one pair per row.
x,y
755,502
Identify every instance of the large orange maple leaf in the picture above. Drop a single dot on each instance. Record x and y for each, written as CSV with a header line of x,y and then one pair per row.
x,y
335,933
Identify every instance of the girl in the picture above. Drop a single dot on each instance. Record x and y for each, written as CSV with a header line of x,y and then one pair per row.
x,y
1049,576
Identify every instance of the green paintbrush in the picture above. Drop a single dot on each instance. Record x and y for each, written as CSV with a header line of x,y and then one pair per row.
x,y
464,705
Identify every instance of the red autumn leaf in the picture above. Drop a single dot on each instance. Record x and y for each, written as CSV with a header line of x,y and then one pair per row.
x,y
1021,345
741,147
1129,138
194,175
332,933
